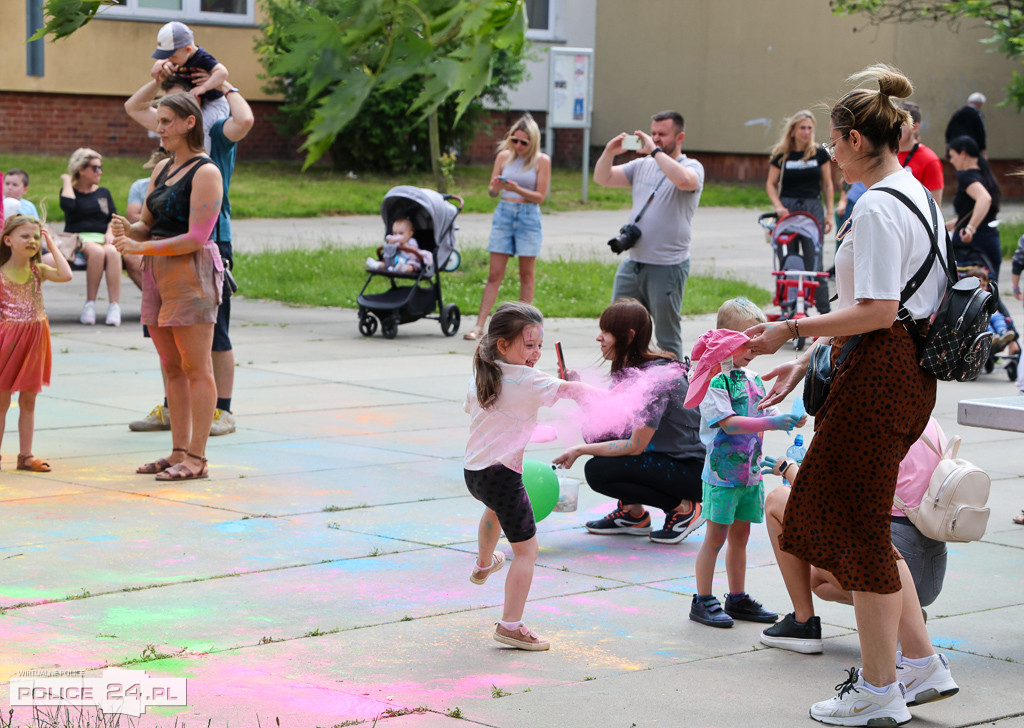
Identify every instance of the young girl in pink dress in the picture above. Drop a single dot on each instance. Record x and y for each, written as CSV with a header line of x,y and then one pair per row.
x,y
24,328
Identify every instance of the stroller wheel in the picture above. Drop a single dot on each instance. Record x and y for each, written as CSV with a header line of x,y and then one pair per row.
x,y
799,343
367,324
1011,371
990,364
389,326
454,260
451,317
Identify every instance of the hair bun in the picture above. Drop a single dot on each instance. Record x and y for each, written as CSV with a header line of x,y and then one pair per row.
x,y
895,84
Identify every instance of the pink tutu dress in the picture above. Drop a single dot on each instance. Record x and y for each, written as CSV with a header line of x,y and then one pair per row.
x,y
25,355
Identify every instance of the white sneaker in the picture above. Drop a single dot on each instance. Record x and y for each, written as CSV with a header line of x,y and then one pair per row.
x,y
926,684
223,423
856,705
113,314
88,316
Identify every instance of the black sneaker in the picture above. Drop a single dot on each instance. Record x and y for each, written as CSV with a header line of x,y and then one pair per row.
x,y
678,525
622,521
748,609
708,610
795,636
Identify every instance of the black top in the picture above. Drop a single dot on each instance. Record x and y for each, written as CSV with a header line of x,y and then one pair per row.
x,y
967,121
200,59
963,203
802,179
88,212
170,203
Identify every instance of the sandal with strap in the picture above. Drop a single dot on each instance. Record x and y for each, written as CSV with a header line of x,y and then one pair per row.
x,y
181,471
33,464
475,334
1019,520
158,466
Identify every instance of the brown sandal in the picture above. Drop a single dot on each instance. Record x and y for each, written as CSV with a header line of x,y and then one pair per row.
x,y
158,466
1019,520
31,463
181,471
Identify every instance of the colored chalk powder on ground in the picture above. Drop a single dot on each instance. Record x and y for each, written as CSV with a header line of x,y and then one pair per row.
x,y
542,487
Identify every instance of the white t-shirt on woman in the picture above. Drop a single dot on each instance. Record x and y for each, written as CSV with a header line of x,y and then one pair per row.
x,y
887,244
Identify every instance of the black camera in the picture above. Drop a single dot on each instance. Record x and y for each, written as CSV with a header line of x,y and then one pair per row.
x,y
626,239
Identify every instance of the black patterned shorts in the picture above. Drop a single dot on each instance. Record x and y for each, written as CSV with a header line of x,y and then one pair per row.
x,y
502,490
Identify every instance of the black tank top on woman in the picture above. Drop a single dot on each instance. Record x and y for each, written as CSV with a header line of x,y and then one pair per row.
x,y
170,204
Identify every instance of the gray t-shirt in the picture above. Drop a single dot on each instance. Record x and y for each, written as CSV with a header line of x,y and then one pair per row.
x,y
677,429
137,192
666,223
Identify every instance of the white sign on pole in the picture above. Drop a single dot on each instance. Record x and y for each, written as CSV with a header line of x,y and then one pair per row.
x,y
570,98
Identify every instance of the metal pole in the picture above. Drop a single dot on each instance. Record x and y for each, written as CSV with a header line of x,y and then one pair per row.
x,y
586,161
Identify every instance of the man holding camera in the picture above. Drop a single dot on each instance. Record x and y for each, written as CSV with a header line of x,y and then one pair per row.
x,y
666,189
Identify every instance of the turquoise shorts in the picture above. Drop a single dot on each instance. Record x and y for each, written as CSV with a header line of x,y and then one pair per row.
x,y
724,505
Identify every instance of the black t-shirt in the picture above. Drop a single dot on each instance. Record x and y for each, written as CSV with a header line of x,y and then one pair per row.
x,y
89,212
802,179
963,203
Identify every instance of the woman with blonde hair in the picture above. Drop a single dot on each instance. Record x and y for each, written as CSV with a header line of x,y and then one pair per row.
x,y
838,516
799,177
521,175
88,209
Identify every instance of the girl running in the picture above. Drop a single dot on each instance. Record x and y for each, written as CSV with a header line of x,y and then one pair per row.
x,y
504,396
24,328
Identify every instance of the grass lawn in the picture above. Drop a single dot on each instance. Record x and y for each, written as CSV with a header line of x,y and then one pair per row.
x,y
334,277
279,189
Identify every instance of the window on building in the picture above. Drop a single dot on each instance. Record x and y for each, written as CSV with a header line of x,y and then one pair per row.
x,y
543,19
205,11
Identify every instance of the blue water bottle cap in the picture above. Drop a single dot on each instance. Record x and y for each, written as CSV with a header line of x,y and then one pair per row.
x,y
798,440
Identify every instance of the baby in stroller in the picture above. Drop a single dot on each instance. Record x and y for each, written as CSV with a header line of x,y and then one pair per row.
x,y
401,253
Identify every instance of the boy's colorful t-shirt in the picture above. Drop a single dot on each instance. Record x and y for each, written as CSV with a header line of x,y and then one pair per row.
x,y
732,460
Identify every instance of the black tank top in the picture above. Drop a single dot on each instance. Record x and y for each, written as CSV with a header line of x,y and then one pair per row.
x,y
170,204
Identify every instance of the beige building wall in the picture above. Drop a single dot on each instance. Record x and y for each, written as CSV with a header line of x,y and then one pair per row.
x,y
736,68
113,57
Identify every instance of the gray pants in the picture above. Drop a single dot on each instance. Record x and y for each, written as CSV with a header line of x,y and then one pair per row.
x,y
925,557
660,289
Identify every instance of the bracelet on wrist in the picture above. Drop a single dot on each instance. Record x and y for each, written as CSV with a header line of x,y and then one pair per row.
x,y
796,325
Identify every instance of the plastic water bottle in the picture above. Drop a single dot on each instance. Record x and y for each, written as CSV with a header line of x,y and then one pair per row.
x,y
796,452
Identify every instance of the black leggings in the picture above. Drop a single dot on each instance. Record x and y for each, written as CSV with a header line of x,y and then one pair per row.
x,y
651,479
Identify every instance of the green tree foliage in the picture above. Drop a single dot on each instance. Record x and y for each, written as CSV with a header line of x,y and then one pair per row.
x,y
64,17
1005,18
376,68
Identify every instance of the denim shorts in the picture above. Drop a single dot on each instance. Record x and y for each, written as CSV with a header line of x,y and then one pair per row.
x,y
516,229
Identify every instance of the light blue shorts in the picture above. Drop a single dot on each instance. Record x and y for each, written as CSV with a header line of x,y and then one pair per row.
x,y
724,505
516,229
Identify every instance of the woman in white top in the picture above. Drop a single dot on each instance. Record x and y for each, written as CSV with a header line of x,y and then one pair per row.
x,y
521,176
837,517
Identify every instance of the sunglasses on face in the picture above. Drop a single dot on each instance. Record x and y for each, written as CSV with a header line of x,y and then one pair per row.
x,y
524,142
96,167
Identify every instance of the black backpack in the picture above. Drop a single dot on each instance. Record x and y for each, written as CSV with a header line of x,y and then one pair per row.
x,y
959,341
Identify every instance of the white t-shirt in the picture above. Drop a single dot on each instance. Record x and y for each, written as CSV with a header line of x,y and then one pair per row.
x,y
886,245
499,434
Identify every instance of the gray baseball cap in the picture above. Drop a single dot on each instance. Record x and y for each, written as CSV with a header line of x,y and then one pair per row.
x,y
172,36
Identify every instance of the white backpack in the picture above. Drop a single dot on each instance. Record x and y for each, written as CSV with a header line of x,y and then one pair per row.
x,y
953,507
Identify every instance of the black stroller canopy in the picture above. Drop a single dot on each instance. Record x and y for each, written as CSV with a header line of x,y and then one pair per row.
x,y
428,211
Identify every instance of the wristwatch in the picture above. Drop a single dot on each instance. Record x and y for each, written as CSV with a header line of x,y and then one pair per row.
x,y
784,466
232,90
654,152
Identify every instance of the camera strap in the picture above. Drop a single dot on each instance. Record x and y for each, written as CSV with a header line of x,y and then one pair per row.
x,y
649,200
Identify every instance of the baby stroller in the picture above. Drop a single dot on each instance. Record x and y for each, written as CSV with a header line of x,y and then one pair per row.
x,y
795,286
433,219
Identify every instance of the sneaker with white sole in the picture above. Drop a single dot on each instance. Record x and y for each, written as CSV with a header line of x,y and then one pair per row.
x,y
621,521
113,315
522,638
856,705
678,525
479,576
223,423
157,419
926,684
788,634
88,316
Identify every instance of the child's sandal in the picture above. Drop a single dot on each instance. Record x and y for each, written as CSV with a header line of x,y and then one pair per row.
x,y
33,464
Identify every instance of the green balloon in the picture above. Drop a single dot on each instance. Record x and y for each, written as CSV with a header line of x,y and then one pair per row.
x,y
542,487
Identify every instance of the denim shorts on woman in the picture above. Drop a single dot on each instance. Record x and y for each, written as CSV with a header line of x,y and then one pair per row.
x,y
516,229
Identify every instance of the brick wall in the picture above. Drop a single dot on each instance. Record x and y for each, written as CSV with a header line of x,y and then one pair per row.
x,y
494,126
58,124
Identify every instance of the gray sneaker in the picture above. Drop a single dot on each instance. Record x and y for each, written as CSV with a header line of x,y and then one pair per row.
x,y
223,423
158,419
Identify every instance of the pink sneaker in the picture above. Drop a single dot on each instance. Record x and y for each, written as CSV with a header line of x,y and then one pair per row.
x,y
479,576
522,638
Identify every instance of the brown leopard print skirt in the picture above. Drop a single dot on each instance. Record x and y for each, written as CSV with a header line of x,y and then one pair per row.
x,y
837,517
